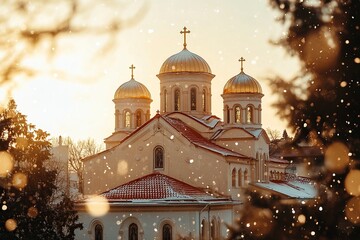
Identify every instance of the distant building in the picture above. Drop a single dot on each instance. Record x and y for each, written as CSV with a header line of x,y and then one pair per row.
x,y
66,180
182,173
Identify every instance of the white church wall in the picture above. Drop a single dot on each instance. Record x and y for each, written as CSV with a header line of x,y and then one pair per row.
x,y
134,158
185,221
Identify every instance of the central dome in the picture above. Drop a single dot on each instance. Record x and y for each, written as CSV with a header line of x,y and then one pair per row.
x,y
185,61
132,89
242,83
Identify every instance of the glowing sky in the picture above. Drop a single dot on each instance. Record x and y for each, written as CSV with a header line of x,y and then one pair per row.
x,y
80,106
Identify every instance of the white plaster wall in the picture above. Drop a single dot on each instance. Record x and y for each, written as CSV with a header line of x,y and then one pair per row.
x,y
184,222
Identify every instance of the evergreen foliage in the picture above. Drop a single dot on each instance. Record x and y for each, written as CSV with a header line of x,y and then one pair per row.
x,y
322,104
28,210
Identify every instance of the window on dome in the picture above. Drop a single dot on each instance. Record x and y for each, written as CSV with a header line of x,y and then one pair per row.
x,y
167,232
227,114
233,178
165,100
98,232
249,114
133,232
158,157
138,118
203,98
237,114
127,119
193,99
117,115
177,100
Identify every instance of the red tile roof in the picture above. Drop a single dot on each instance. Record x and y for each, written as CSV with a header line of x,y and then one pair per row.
x,y
198,140
157,186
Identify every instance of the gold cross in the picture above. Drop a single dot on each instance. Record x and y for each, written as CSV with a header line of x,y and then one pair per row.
x,y
132,70
242,60
185,32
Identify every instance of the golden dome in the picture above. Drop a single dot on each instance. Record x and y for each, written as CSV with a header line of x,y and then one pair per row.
x,y
185,61
242,83
132,89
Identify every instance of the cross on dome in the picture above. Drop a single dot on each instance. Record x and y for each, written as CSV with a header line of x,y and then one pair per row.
x,y
242,60
185,32
132,70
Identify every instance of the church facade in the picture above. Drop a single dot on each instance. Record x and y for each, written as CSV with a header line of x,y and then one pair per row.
x,y
180,174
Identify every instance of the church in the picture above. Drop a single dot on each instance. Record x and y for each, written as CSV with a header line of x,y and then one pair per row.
x,y
182,173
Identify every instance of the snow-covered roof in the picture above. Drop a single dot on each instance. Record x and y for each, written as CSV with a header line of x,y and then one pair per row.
x,y
292,187
198,140
278,160
157,186
254,133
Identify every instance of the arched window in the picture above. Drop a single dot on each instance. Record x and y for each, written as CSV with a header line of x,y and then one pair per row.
x,y
240,178
165,100
158,157
167,232
193,99
245,176
203,229
227,114
237,114
177,99
233,178
147,115
117,115
98,232
249,114
138,118
213,229
127,119
203,98
133,232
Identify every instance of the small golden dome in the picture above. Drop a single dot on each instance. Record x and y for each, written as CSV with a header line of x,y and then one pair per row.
x,y
242,83
132,89
185,61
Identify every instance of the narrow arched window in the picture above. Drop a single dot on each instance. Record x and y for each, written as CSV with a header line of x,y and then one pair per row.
x,y
237,114
133,232
147,115
177,99
203,98
127,119
158,157
240,178
138,118
167,232
117,115
203,229
245,176
213,229
233,178
98,232
165,100
249,114
193,99
227,114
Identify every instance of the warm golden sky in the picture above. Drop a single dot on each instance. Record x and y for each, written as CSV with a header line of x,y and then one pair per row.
x,y
81,106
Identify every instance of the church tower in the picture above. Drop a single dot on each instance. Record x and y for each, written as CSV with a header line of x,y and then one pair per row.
x,y
132,109
185,83
242,101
